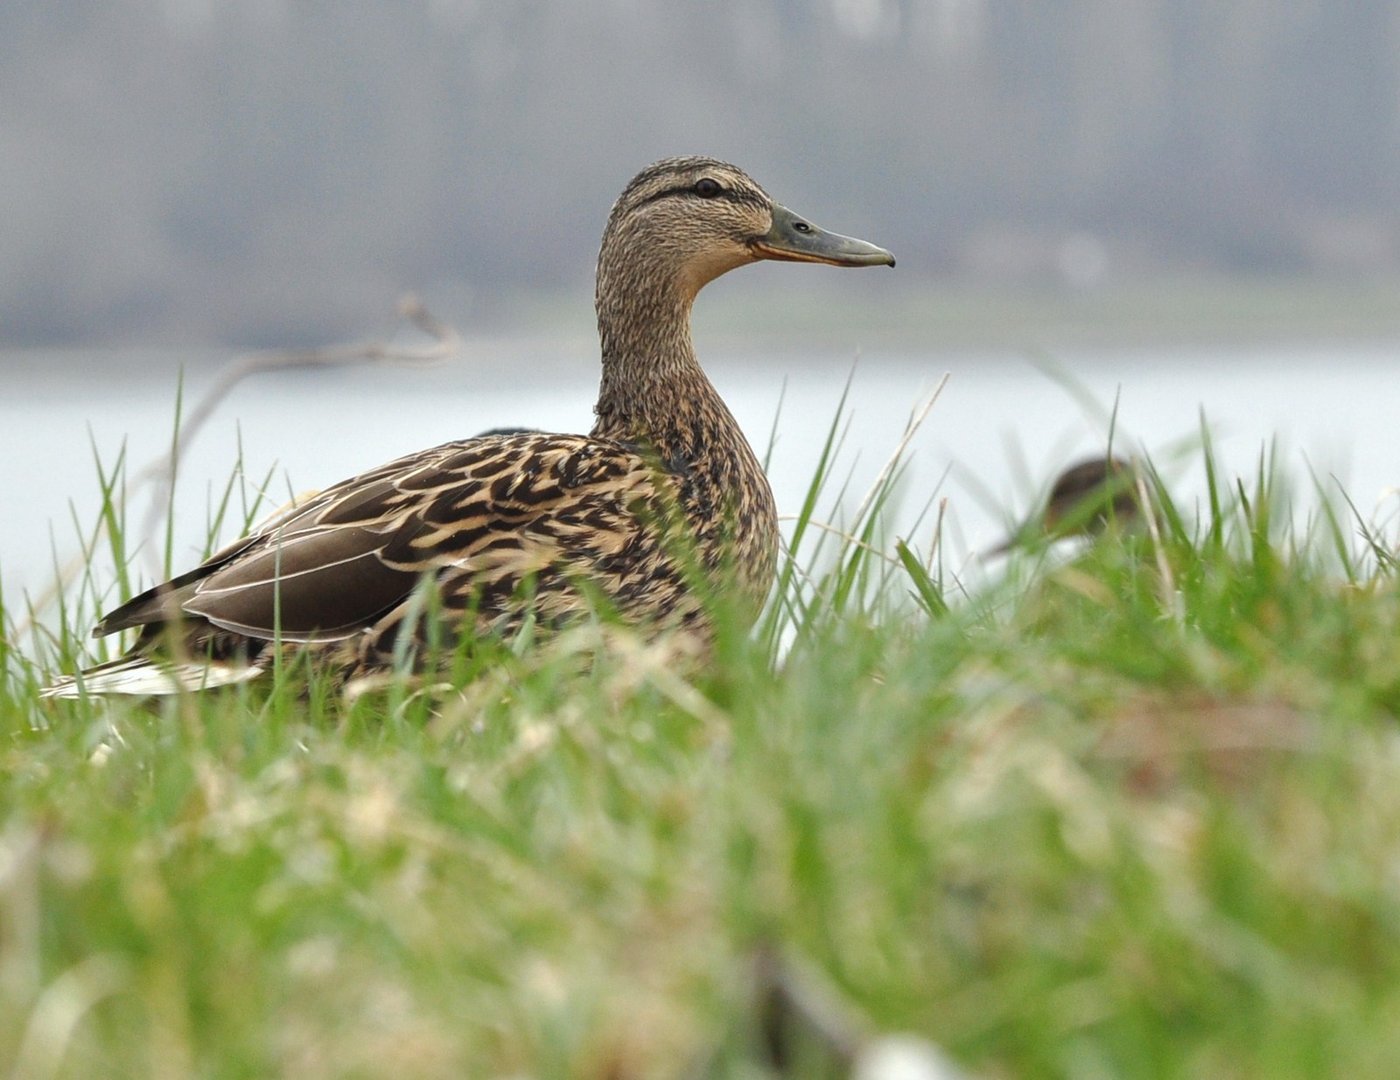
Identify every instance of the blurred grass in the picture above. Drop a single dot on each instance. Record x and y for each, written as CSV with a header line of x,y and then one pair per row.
x,y
1129,813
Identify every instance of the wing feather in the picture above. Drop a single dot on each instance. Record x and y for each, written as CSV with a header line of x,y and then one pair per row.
x,y
500,506
316,586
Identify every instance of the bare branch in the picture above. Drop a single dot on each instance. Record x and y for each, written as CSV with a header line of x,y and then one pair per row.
x,y
445,344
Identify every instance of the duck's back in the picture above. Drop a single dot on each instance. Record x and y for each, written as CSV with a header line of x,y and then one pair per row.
x,y
502,526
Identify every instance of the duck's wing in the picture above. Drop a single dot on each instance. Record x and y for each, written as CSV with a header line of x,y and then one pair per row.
x,y
504,505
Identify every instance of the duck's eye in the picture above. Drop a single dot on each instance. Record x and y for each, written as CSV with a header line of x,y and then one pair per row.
x,y
707,188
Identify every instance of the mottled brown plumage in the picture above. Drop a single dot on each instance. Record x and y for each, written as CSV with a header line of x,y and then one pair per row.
x,y
663,496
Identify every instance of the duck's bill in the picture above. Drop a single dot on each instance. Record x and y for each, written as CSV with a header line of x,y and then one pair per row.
x,y
794,239
1020,538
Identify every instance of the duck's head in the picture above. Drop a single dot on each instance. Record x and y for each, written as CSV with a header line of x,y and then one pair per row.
x,y
1090,495
690,219
1085,500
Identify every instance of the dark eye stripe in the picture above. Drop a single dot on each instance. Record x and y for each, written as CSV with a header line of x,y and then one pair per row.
x,y
740,198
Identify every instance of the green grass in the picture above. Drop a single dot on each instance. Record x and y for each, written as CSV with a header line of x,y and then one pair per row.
x,y
1133,813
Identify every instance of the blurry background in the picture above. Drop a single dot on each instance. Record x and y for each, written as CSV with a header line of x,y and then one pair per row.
x,y
1188,206
266,172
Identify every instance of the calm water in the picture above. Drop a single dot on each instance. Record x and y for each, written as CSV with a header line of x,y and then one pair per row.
x,y
1000,430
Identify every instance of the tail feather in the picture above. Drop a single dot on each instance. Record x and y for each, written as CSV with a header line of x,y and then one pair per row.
x,y
142,676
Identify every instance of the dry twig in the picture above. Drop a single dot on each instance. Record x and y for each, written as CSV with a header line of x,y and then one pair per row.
x,y
445,343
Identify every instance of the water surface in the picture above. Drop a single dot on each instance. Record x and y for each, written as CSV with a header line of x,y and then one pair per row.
x,y
1002,427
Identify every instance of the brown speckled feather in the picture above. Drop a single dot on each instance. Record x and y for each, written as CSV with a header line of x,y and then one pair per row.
x,y
347,562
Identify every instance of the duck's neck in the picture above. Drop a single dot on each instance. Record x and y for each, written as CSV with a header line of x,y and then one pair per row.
x,y
653,390
653,393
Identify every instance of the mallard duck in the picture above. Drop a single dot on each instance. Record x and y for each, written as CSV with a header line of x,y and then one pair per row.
x,y
664,493
1084,500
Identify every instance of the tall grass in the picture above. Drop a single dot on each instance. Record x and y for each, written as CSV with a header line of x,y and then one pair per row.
x,y
1130,810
